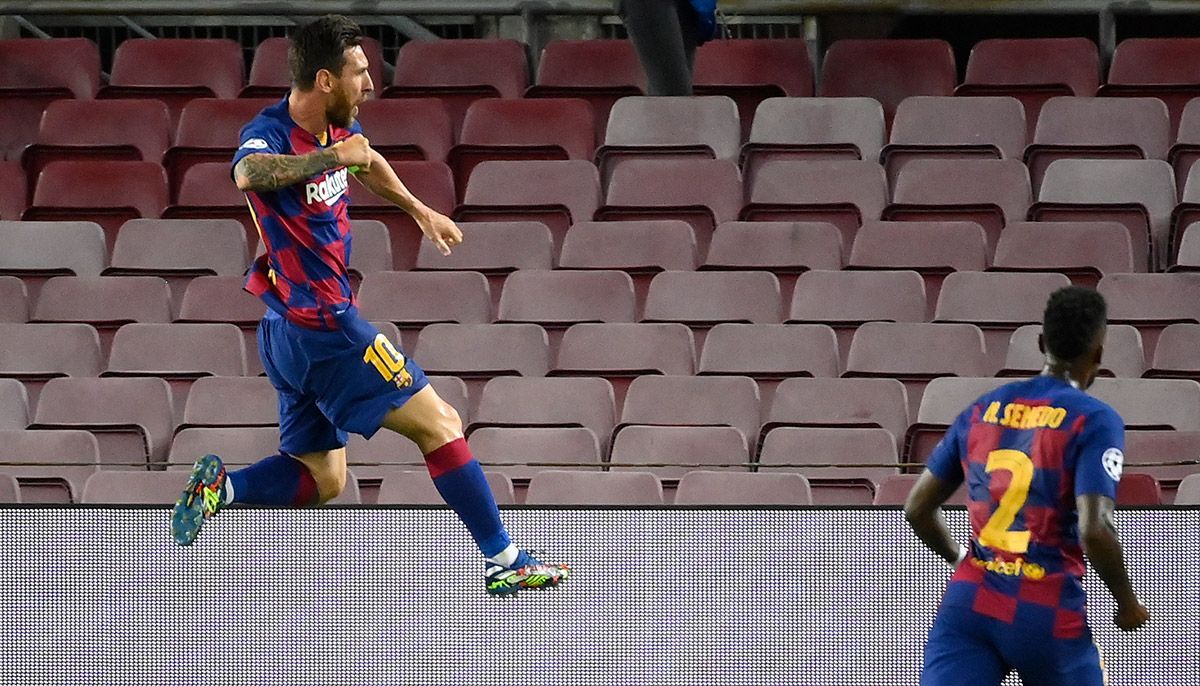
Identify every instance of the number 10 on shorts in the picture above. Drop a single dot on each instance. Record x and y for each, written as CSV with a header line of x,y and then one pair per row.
x,y
388,361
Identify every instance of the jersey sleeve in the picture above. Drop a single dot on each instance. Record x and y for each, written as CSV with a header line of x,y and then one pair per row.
x,y
1101,456
260,136
946,460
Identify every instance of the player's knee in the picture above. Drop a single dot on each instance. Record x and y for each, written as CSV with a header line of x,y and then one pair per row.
x,y
330,484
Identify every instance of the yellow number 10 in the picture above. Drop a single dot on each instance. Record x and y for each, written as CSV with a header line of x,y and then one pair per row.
x,y
387,360
995,533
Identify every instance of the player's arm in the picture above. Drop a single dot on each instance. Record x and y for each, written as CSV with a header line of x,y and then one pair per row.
x,y
379,178
923,510
1099,537
265,172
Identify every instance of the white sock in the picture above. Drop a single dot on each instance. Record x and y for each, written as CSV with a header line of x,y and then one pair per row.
x,y
506,557
228,491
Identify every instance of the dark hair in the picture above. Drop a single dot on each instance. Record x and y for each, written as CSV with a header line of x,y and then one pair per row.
x,y
1074,317
319,45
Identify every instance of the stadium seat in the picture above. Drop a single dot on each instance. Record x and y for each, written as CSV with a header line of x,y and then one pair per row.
x,y
692,401
1152,452
599,71
1098,128
99,130
554,192
271,77
888,70
105,302
1123,356
845,299
564,487
845,193
893,491
1152,403
1188,257
1138,490
35,251
10,490
638,248
992,193
104,191
970,297
704,193
208,132
56,463
844,403
770,351
701,487
411,300
414,487
625,351
786,249
216,401
916,353
36,72
1151,302
1189,491
813,129
207,192
1032,70
176,70
1185,214
1084,251
430,181
236,446
374,460
483,350
36,353
1177,353
747,297
1138,193
932,126
14,405
513,402
13,300
944,399
932,249
131,418
408,128
752,70
671,451
518,129
372,250
512,450
459,72
112,487
557,299
1162,68
215,299
179,250
825,455
1186,148
705,127
13,190
493,249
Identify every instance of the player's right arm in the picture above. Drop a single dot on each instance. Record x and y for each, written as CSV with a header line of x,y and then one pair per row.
x,y
265,172
942,476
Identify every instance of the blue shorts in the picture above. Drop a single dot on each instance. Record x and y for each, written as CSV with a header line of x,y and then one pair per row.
x,y
333,382
967,647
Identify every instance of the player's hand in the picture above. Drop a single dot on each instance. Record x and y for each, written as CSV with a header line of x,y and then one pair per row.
x,y
1131,617
354,151
440,229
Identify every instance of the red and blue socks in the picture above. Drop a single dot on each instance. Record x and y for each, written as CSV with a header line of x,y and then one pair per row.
x,y
459,479
278,480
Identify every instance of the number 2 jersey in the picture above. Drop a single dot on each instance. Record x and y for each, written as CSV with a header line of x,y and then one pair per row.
x,y
1026,450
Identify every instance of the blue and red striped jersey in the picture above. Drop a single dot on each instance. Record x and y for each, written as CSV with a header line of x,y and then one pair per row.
x,y
1026,450
305,227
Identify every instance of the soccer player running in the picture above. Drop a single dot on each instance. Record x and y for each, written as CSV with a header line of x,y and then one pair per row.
x,y
1042,460
334,372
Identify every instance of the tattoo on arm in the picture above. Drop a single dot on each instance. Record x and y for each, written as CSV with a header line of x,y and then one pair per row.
x,y
263,172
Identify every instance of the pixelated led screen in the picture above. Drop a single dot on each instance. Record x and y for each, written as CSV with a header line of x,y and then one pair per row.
x,y
812,597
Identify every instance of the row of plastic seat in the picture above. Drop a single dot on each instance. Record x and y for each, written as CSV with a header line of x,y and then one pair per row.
x,y
1140,194
568,488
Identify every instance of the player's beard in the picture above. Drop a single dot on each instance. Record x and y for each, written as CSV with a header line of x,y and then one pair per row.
x,y
341,114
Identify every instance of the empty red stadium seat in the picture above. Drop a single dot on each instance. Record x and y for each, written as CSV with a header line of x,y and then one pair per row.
x,y
639,248
130,417
786,249
748,297
13,190
845,193
1123,354
944,399
57,463
511,450
932,249
408,128
215,401
693,401
208,132
832,457
1177,353
105,302
483,350
410,300
1084,251
414,487
1151,452
220,299
932,126
563,487
110,487
881,403
1185,214
1163,68
671,451
1138,490
430,181
557,299
1186,149
36,251
106,192
701,487
36,353
13,300
894,490
10,490
494,249
36,71
1151,302
14,405
751,70
626,350
176,70
669,127
1152,403
888,70
814,129
599,71
236,446
548,402
770,351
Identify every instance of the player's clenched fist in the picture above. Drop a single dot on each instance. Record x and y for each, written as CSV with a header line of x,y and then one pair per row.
x,y
1131,617
354,151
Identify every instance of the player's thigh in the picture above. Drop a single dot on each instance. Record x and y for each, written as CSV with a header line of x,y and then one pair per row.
x,y
1057,662
426,419
959,645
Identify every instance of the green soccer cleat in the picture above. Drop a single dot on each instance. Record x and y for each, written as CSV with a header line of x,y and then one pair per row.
x,y
202,497
526,572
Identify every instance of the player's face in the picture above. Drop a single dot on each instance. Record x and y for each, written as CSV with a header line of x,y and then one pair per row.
x,y
352,88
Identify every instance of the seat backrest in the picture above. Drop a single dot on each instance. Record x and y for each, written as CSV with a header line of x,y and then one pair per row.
x,y
803,182
51,246
1003,183
782,62
1137,298
1149,183
13,300
770,350
888,70
1178,349
821,121
422,123
935,246
946,397
853,297
1155,62
493,247
512,449
123,487
751,297
1123,356
627,349
215,122
594,63
971,297
563,487
633,246
144,124
104,300
574,184
103,183
1097,122
12,190
236,446
685,182
565,122
1103,246
840,403
831,453
69,456
462,297
43,350
207,184
213,63
1152,403
231,401
178,350
220,299
484,349
85,402
1152,452
10,490
918,349
14,405
1189,491
894,490
402,486
671,451
780,247
1139,490
693,401
497,63
216,246
710,120
948,121
510,401
71,64
1073,62
701,487
558,298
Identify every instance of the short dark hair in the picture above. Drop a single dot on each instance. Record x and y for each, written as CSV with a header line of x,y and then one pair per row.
x,y
1074,317
321,44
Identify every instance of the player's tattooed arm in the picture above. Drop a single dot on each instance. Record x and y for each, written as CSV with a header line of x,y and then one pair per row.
x,y
264,172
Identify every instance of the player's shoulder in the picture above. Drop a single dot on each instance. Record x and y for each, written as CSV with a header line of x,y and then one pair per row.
x,y
272,120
